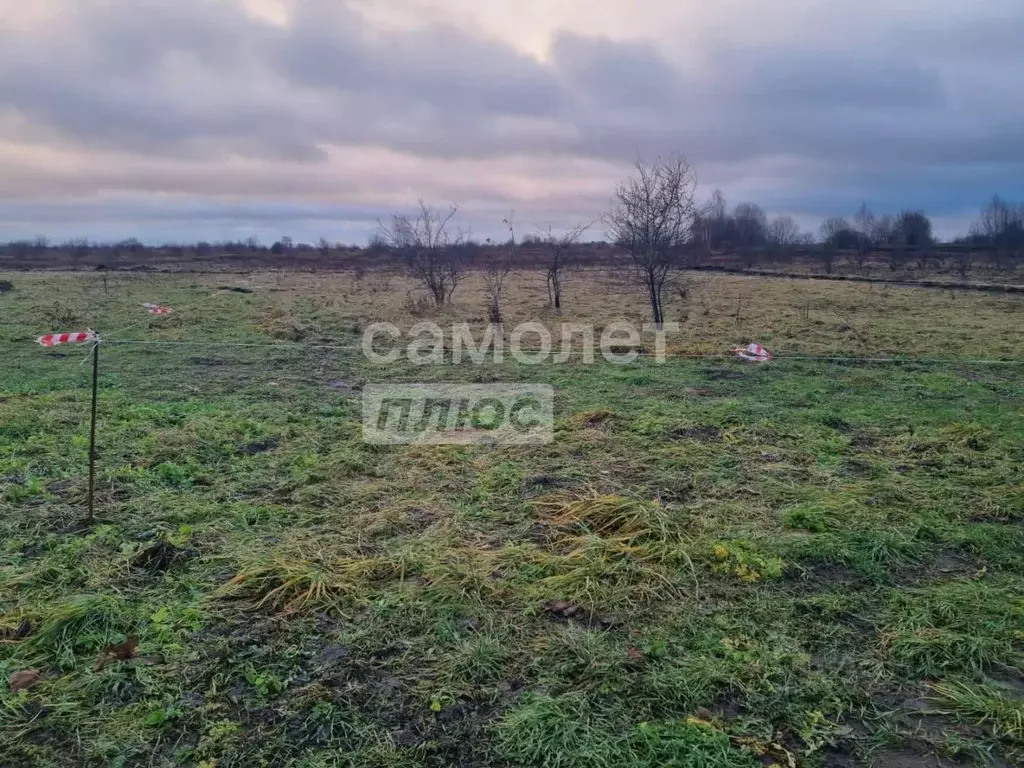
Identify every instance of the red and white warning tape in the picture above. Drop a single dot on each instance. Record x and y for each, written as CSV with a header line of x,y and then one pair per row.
x,y
755,353
157,309
78,337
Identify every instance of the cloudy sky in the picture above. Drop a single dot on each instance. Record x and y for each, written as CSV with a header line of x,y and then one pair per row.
x,y
212,119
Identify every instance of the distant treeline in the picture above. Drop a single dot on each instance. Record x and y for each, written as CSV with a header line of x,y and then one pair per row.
x,y
742,237
961,258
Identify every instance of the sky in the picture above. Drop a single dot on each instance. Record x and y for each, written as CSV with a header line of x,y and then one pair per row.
x,y
186,120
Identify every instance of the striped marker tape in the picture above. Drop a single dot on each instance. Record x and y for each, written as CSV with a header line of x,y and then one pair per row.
x,y
53,339
755,353
157,309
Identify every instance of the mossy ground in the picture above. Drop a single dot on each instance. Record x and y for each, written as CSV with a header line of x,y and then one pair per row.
x,y
714,563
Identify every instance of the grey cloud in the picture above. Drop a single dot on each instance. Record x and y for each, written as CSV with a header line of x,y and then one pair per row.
x,y
616,75
824,79
204,80
438,68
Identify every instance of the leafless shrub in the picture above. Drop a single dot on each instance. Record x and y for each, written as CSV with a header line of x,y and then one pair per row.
x,y
60,316
380,282
495,272
560,259
416,304
430,250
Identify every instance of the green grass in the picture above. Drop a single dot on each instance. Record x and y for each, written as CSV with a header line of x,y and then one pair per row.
x,y
714,564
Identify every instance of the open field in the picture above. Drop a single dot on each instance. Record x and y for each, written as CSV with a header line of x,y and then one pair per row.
x,y
714,564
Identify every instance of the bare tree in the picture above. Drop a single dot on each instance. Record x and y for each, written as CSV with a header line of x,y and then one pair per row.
x,y
783,230
710,223
835,231
864,224
963,262
913,229
751,229
1001,224
835,234
751,224
651,219
883,231
496,270
430,251
560,248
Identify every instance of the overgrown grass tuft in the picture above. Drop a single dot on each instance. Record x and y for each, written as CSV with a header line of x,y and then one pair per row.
x,y
302,581
955,627
983,705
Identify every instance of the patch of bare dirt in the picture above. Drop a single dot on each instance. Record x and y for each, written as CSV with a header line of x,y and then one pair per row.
x,y
420,519
160,556
62,486
258,446
566,611
998,519
838,424
905,758
950,565
827,576
864,441
340,385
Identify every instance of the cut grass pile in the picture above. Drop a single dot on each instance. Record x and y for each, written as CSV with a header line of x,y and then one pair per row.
x,y
714,564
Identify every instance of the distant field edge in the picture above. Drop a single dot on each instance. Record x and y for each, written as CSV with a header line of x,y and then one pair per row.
x,y
306,268
943,284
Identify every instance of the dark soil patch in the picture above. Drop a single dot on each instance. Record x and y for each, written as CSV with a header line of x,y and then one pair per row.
x,y
998,519
56,355
955,563
858,468
160,556
405,738
838,424
547,481
207,361
332,655
421,519
625,349
946,566
259,446
340,385
560,610
704,433
6,286
864,442
1015,685
61,486
723,374
24,629
728,707
597,419
919,720
904,758
840,756
827,576
235,289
